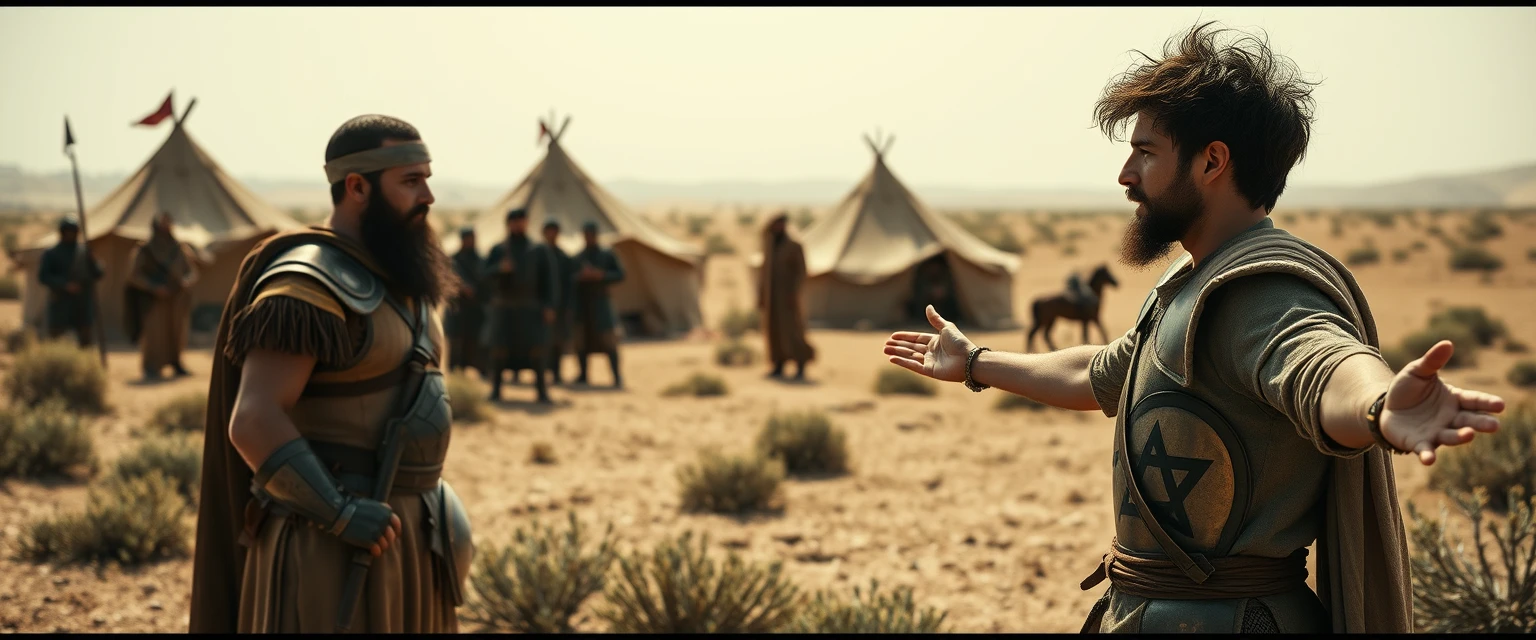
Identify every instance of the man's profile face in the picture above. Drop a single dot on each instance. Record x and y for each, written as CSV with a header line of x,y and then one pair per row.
x,y
1168,202
405,190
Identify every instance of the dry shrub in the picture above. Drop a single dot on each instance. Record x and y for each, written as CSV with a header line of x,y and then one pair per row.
x,y
176,457
717,245
1336,226
20,339
1483,328
1523,374
1418,245
125,520
697,224
735,483
537,583
43,440
878,613
697,385
1474,258
1481,227
1362,256
1415,345
1530,254
737,322
1009,402
804,218
1454,593
806,441
467,398
678,588
1496,462
746,219
10,287
542,453
58,368
735,353
1512,345
903,382
1383,219
1289,219
1044,232
1069,250
1400,255
185,413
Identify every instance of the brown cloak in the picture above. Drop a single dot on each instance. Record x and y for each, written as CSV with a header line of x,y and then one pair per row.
x,y
219,556
783,310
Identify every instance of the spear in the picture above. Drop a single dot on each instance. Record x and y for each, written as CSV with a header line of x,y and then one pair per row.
x,y
85,255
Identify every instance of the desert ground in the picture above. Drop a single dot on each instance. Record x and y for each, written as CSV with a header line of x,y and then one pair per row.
x,y
994,516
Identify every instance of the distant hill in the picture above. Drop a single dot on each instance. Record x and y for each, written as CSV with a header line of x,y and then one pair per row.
x,y
1512,187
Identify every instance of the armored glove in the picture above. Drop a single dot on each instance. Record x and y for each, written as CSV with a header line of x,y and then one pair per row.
x,y
294,478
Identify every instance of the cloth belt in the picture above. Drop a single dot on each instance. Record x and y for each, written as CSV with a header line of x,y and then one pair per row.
x,y
354,468
1234,577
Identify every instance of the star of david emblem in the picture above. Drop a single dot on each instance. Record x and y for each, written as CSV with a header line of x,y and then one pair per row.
x,y
1177,486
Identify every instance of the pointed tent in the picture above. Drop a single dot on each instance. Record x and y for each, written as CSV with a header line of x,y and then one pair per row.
x,y
663,275
210,211
862,257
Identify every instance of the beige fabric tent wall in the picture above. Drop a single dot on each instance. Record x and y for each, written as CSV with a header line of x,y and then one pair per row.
x,y
211,211
663,275
861,258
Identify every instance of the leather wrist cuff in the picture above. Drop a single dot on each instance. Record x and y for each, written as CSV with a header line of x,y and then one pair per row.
x,y
296,479
1373,422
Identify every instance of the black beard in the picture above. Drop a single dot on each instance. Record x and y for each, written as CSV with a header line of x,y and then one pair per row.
x,y
411,257
1152,236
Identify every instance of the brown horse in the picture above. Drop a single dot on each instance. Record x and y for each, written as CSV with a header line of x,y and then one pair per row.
x,y
1048,309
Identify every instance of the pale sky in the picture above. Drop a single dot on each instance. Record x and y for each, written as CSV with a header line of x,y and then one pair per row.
x,y
977,97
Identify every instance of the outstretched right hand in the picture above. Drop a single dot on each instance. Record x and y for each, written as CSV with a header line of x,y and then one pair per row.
x,y
940,356
374,526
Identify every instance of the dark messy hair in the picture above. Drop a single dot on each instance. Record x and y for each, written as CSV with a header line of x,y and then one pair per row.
x,y
1242,94
364,133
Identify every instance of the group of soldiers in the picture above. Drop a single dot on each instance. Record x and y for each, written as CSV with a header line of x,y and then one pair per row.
x,y
527,304
157,300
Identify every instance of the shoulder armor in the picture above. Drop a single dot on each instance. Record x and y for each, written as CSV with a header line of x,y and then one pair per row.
x,y
352,283
1265,251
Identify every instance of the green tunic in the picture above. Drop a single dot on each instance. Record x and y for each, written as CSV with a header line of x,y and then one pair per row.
x,y
515,330
591,307
58,268
1245,471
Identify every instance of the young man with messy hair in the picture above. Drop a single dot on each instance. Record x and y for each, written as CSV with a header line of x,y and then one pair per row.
x,y
1254,412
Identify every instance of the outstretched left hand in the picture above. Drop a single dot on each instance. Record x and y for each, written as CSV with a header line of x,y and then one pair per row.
x,y
1423,412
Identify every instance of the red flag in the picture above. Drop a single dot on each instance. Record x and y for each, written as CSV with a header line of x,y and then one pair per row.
x,y
162,113
543,131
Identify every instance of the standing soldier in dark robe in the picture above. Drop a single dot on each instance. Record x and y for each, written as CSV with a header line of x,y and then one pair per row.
x,y
328,417
779,299
70,274
524,290
1252,420
160,278
466,315
596,325
565,271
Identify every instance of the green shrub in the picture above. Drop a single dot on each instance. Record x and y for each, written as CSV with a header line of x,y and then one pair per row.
x,y
678,589
43,440
1481,227
1455,593
746,219
1495,462
806,441
1383,219
1010,402
177,458
1523,374
878,613
717,245
903,382
1365,255
185,413
738,322
735,353
1474,258
1483,328
538,583
730,484
1415,345
59,368
697,385
10,287
125,520
467,398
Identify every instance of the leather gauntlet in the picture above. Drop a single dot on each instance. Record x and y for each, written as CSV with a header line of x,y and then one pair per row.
x,y
294,478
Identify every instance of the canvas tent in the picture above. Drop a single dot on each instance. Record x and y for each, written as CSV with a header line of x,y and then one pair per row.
x,y
663,275
862,257
211,212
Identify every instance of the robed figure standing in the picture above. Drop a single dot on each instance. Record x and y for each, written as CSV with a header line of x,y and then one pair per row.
x,y
159,299
71,279
524,291
780,301
465,317
595,326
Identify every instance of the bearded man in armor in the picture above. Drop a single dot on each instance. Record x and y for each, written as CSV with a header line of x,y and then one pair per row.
x,y
1254,412
323,506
